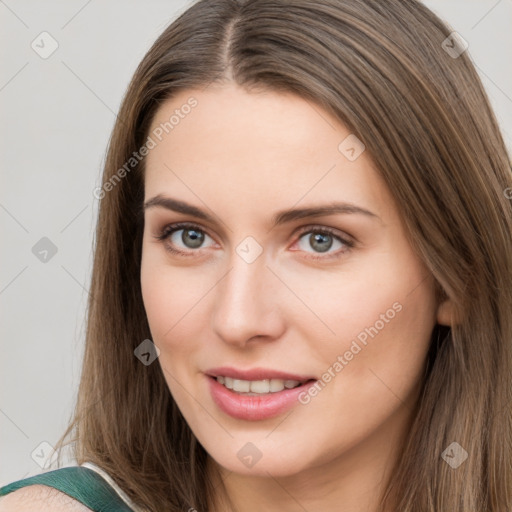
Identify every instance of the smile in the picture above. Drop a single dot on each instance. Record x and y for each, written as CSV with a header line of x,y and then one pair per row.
x,y
260,405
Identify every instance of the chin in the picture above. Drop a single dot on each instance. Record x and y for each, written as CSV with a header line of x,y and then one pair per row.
x,y
276,463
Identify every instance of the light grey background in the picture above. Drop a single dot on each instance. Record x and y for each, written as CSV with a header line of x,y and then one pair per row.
x,y
56,117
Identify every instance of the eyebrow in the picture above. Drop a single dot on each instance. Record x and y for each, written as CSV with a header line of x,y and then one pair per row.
x,y
280,217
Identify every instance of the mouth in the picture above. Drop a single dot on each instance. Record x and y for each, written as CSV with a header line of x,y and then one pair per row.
x,y
254,400
258,387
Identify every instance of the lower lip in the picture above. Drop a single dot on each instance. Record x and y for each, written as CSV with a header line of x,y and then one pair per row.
x,y
253,408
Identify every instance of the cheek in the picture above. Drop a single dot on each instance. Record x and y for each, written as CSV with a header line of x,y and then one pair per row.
x,y
155,295
168,307
172,301
381,315
159,294
383,323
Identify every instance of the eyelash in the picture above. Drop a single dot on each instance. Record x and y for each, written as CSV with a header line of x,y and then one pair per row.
x,y
168,230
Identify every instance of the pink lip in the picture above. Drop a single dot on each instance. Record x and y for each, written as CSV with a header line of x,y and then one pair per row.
x,y
256,374
253,408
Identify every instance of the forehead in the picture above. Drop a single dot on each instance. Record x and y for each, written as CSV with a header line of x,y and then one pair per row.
x,y
257,148
250,121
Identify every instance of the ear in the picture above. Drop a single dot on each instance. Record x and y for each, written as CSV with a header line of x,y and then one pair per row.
x,y
447,313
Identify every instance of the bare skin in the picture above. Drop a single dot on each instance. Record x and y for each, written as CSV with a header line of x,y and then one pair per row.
x,y
241,157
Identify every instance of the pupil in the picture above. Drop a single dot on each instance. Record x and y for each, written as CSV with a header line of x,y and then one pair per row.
x,y
319,238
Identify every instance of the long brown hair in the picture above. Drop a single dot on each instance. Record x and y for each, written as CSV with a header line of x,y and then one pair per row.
x,y
383,69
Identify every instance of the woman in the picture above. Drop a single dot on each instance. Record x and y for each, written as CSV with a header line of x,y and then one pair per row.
x,y
301,294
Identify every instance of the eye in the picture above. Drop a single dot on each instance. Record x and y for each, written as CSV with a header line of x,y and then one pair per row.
x,y
191,238
322,239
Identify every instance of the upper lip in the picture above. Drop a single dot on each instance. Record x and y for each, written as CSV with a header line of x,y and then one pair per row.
x,y
256,374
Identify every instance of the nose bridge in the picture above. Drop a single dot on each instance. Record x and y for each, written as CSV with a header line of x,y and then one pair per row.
x,y
245,299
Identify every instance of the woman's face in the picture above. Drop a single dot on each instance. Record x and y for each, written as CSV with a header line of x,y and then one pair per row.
x,y
253,288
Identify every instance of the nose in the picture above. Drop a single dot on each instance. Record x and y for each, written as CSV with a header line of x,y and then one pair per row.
x,y
247,303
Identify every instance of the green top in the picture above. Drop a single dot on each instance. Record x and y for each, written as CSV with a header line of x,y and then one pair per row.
x,y
81,483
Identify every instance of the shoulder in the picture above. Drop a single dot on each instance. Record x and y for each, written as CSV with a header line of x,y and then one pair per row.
x,y
42,498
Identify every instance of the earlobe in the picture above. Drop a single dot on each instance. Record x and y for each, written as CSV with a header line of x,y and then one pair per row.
x,y
447,313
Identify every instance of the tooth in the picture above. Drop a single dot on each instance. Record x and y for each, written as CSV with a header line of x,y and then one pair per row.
x,y
242,386
257,387
276,385
260,386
